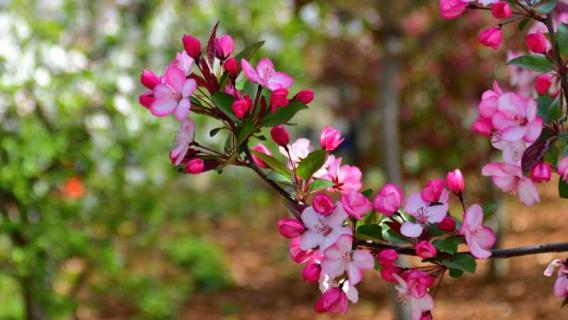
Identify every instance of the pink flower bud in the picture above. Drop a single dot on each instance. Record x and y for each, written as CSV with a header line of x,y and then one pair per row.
x,y
501,10
241,106
563,169
330,138
356,204
450,9
389,199
388,271
537,42
433,190
232,67
304,96
323,204
541,172
262,149
290,227
425,250
332,300
448,224
426,316
542,84
311,272
387,257
224,46
482,126
278,98
195,166
149,79
280,135
146,99
455,182
192,46
491,37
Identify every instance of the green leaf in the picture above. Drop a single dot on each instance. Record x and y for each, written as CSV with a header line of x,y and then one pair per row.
x,y
547,7
312,163
449,245
245,131
283,115
368,193
224,102
369,231
249,51
533,62
523,24
562,39
461,261
563,189
214,132
543,104
456,273
273,163
319,184
391,236
278,177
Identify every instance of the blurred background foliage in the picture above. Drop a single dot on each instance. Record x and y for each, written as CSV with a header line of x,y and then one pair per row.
x,y
95,222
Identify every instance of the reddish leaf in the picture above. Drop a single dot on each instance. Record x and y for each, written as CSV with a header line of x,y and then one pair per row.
x,y
211,44
534,153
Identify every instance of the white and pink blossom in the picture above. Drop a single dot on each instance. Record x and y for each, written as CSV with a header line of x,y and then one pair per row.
x,y
323,231
424,213
479,238
340,258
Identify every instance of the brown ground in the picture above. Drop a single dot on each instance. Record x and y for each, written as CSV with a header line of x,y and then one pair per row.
x,y
267,283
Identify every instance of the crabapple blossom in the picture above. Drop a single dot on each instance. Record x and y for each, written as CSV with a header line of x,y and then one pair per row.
x,y
192,46
311,272
323,204
541,172
262,149
330,139
501,10
563,169
448,224
424,213
290,227
455,182
195,166
418,282
491,37
265,75
172,95
146,99
387,256
278,98
516,118
561,283
231,65
224,46
339,258
356,204
184,138
332,300
418,305
241,106
303,256
537,42
425,250
509,178
149,79
280,135
346,178
479,238
183,62
543,83
304,96
433,190
450,9
298,150
323,231
389,199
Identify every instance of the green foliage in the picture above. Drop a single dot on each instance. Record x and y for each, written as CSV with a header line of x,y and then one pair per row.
x,y
461,261
533,62
312,163
283,115
563,189
448,245
273,163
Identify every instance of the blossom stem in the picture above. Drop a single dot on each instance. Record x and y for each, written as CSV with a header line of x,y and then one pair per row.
x,y
559,62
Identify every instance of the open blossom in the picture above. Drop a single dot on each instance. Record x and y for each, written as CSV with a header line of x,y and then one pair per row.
x,y
418,305
299,150
265,75
183,140
424,213
346,178
509,178
340,258
389,199
356,204
330,138
323,231
563,169
479,238
172,95
561,283
516,118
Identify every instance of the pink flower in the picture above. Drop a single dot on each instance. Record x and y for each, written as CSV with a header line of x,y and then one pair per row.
x,y
183,62
323,231
304,96
482,126
172,96
192,46
542,84
299,150
418,306
512,151
424,213
537,42
479,238
561,283
433,190
231,65
516,118
347,178
491,37
241,106
311,272
278,98
501,10
450,9
356,204
290,227
195,166
509,178
448,224
418,282
146,99
388,272
389,199
541,172
455,182
323,204
339,258
183,140
303,256
563,169
265,75
149,79
330,139
387,257
224,46
262,149
333,300
425,250
280,135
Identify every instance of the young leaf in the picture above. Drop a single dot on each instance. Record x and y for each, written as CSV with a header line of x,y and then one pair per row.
x,y
249,51
562,38
280,178
456,273
283,115
563,189
319,184
370,231
211,44
245,131
273,163
547,7
449,245
224,102
461,261
368,193
523,24
533,62
309,165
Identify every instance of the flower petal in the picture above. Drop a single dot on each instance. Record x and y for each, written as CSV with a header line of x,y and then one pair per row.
x,y
175,78
310,239
249,71
182,109
279,80
411,229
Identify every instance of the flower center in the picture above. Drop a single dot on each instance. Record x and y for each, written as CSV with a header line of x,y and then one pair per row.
x,y
422,215
323,228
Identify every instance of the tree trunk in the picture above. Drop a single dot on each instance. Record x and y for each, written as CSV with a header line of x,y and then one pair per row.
x,y
31,293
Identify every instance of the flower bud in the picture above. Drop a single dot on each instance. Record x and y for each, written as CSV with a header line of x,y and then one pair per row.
x,y
388,271
323,204
387,257
280,135
389,199
304,96
491,37
192,46
455,182
448,224
241,106
195,166
262,149
541,172
563,169
451,9
149,79
146,99
356,205
311,272
332,300
290,227
425,250
537,42
542,84
330,139
231,65
501,10
433,190
482,126
278,98
224,46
